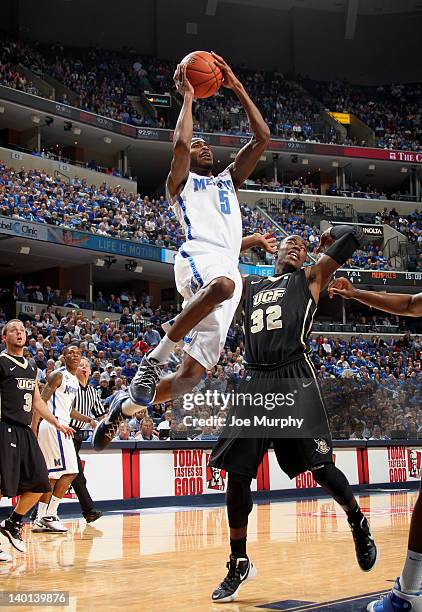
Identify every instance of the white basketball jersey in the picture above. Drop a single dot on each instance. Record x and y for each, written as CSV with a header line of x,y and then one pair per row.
x,y
61,402
209,211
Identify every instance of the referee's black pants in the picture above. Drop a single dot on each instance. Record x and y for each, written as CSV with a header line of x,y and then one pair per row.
x,y
79,483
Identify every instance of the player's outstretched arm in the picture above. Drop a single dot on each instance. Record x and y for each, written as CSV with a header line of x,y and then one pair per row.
x,y
182,134
41,411
338,243
249,155
396,303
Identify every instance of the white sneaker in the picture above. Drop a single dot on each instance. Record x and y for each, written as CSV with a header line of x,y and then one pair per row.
x,y
5,557
53,523
38,526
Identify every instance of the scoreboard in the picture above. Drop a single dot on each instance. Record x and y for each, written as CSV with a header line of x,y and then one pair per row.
x,y
382,277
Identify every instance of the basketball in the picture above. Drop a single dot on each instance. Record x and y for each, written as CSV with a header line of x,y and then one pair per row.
x,y
203,73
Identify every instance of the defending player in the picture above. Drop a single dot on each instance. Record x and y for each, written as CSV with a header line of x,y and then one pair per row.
x,y
22,467
278,317
206,266
59,452
407,591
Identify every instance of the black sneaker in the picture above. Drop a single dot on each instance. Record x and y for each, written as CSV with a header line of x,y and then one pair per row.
x,y
13,533
142,388
240,571
92,515
108,427
366,551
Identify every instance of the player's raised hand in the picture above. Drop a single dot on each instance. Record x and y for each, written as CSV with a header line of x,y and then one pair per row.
x,y
341,286
325,241
66,430
268,243
181,81
230,80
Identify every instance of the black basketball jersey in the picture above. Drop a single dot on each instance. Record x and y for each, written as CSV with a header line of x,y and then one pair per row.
x,y
278,317
18,380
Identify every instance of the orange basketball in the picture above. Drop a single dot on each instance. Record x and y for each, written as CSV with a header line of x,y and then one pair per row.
x,y
203,73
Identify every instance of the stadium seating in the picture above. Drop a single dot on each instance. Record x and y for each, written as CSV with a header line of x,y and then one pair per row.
x,y
103,81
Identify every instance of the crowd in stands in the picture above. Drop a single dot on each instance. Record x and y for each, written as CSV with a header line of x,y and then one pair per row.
x,y
392,111
103,81
383,376
372,386
33,195
290,216
289,111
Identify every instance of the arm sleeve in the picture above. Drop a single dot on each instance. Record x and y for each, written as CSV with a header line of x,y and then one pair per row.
x,y
347,240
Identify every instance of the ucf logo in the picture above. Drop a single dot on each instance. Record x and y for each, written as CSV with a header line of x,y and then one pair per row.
x,y
322,446
268,296
26,384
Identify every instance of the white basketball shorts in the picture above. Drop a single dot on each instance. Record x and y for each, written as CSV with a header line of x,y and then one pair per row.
x,y
192,274
59,452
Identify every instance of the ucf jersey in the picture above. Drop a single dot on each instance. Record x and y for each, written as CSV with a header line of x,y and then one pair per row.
x,y
278,317
18,379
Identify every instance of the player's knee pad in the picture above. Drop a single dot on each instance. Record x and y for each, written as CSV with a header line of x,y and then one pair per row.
x,y
239,500
334,482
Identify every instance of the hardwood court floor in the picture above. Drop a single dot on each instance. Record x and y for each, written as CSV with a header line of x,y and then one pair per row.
x,y
171,559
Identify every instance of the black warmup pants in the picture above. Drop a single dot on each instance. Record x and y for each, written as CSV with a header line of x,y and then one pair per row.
x,y
79,484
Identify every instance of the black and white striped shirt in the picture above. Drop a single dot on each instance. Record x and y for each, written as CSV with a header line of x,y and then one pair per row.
x,y
88,403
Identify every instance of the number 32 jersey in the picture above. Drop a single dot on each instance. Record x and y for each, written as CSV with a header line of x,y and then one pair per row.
x,y
278,311
209,212
18,379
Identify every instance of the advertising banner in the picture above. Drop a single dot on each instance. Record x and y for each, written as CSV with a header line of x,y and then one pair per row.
x,y
394,464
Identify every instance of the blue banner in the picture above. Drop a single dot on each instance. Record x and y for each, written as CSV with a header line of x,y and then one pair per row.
x,y
257,270
93,242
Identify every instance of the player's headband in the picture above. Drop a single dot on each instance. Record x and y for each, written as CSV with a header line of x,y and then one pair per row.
x,y
197,138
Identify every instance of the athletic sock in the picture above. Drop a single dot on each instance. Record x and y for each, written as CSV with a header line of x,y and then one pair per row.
x,y
53,505
42,510
162,351
15,517
411,577
355,516
129,408
238,548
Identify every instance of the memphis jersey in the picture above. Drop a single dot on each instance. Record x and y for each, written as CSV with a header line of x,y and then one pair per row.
x,y
209,212
61,402
278,317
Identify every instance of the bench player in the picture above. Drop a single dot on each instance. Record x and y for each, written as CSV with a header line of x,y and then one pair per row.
x,y
206,266
59,452
407,591
22,467
278,318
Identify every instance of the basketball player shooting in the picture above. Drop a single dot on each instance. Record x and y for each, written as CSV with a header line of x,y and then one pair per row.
x,y
278,318
407,591
206,266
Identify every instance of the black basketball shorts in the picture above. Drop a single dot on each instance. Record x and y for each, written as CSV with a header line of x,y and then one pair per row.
x,y
22,464
242,454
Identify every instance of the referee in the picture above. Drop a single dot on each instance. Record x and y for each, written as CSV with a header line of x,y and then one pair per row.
x,y
88,403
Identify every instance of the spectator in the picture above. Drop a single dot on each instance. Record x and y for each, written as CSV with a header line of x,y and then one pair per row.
x,y
146,431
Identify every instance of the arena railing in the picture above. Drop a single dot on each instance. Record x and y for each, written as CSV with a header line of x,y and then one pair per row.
x,y
334,205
